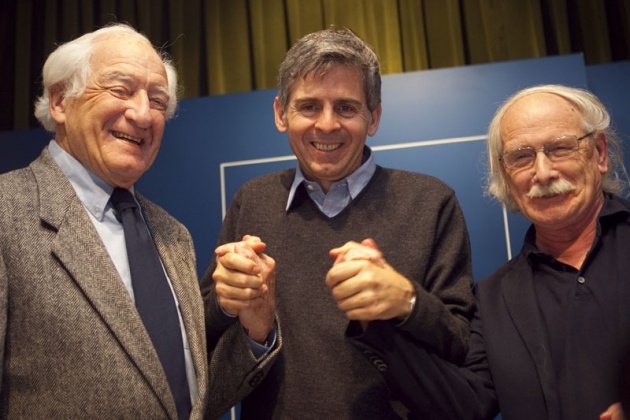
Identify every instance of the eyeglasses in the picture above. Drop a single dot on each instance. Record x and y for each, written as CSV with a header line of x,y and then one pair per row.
x,y
556,150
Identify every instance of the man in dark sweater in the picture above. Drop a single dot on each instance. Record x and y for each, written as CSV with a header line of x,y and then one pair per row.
x,y
415,275
551,335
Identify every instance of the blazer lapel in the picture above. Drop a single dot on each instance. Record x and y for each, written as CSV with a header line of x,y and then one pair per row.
x,y
520,300
81,252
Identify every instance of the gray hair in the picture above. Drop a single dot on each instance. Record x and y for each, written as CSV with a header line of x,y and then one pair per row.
x,y
595,117
321,51
69,67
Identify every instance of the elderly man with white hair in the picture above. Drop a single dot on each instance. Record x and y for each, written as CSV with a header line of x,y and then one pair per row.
x,y
551,330
100,310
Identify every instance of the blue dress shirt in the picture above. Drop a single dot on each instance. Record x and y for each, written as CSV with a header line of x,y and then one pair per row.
x,y
342,192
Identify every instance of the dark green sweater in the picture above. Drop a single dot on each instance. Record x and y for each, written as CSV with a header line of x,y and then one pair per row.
x,y
416,222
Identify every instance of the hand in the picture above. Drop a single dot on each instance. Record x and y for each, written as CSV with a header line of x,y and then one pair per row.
x,y
614,412
364,286
366,250
245,285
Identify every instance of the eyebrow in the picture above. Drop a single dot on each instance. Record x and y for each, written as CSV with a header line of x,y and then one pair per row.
x,y
131,80
529,146
118,76
335,101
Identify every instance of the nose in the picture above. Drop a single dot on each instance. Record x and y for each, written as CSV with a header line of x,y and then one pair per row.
x,y
139,110
544,168
327,120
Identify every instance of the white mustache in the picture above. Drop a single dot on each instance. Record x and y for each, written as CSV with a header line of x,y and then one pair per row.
x,y
561,186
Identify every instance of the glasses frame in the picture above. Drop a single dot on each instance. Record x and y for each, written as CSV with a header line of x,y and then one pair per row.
x,y
543,149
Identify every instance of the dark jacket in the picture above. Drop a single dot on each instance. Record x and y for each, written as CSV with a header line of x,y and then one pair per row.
x,y
508,366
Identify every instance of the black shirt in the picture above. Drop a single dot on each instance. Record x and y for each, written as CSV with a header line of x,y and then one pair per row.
x,y
586,314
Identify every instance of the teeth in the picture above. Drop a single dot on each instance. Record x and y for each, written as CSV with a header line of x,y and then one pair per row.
x,y
326,147
122,136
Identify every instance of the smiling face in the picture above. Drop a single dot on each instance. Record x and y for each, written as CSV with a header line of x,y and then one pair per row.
x,y
115,127
533,121
328,121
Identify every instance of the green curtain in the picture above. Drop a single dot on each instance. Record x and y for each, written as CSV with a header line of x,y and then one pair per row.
x,y
227,46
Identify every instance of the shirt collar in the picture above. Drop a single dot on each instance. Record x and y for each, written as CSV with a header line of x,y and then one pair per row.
x,y
91,190
613,205
356,180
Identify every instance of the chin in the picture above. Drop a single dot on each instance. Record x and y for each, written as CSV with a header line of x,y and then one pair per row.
x,y
133,172
552,215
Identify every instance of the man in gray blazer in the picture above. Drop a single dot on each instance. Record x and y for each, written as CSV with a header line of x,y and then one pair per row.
x,y
72,343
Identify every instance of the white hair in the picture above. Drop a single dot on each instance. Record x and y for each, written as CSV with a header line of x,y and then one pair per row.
x,y
68,68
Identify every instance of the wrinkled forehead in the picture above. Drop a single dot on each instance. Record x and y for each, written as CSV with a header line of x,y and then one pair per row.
x,y
124,51
540,111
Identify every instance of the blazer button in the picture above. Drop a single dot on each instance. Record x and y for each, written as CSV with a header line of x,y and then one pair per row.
x,y
380,365
255,381
376,360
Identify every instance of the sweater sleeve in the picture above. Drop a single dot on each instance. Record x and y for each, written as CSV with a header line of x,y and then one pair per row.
x,y
216,320
234,371
444,299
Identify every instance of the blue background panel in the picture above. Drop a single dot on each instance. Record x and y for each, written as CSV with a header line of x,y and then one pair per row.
x,y
433,122
422,113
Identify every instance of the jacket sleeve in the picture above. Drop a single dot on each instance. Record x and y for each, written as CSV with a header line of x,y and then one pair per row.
x,y
234,371
4,313
429,386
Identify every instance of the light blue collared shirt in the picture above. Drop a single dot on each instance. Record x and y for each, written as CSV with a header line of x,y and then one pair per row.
x,y
94,194
342,192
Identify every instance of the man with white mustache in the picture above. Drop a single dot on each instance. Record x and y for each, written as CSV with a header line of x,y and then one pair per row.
x,y
415,274
551,334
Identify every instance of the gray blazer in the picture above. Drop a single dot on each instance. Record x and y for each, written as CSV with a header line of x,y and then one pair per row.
x,y
72,344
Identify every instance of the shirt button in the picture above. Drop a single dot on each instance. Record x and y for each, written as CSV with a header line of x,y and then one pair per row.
x,y
310,187
581,280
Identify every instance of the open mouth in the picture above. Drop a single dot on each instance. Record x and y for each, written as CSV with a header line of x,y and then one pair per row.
x,y
326,147
126,137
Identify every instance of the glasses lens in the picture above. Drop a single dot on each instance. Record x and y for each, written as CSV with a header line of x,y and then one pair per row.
x,y
519,158
557,149
562,147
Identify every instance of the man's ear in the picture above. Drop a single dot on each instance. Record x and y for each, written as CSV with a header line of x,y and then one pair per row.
x,y
57,104
601,147
375,120
279,116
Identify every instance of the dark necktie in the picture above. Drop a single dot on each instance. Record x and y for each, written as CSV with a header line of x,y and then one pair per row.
x,y
154,299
